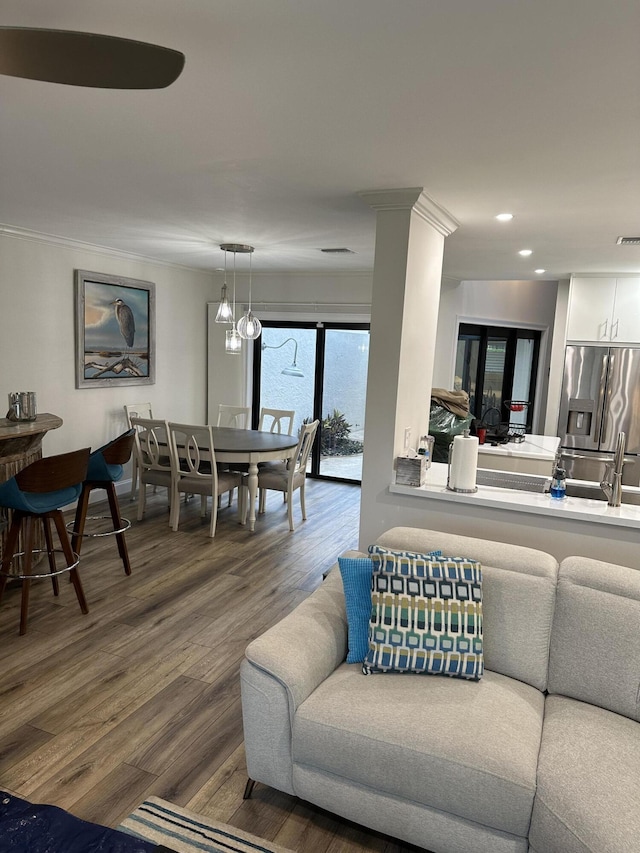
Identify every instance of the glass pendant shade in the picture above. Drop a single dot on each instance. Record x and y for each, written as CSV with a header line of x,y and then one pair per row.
x,y
225,312
233,342
249,327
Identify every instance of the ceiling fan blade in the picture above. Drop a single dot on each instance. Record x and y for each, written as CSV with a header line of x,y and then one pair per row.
x,y
87,59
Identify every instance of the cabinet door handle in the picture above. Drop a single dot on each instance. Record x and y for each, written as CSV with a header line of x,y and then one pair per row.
x,y
615,326
604,326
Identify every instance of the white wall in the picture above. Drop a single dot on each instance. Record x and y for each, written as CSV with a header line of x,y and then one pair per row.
x,y
37,346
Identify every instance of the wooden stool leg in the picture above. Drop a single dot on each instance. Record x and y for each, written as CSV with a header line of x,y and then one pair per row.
x,y
50,554
58,520
10,548
26,580
117,524
80,519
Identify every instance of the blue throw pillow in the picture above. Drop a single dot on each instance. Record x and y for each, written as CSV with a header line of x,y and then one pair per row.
x,y
356,579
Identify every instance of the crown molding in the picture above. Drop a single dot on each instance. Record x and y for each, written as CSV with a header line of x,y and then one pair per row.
x,y
68,243
415,199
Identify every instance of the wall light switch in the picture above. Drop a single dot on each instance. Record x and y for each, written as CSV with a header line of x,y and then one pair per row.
x,y
407,438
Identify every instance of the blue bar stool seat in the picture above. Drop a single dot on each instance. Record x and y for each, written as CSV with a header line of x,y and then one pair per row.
x,y
106,466
39,492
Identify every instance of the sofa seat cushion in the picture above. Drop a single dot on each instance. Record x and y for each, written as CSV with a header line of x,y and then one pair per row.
x,y
464,747
588,797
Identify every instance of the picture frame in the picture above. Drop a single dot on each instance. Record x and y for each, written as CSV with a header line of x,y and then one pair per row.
x,y
115,330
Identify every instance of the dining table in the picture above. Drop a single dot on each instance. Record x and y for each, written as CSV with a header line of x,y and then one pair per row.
x,y
252,446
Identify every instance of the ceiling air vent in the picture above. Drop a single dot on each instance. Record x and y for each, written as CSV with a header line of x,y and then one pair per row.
x,y
628,241
339,251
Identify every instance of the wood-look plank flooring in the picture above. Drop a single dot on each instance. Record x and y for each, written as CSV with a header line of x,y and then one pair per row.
x,y
141,696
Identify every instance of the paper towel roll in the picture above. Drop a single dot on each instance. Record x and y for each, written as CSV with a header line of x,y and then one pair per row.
x,y
464,463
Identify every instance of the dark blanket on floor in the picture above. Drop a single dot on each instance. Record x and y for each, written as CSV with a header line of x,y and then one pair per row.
x,y
37,828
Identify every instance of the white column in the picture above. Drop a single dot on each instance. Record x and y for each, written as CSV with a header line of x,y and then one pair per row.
x,y
410,232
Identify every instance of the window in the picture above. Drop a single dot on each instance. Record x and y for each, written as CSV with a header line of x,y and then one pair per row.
x,y
497,367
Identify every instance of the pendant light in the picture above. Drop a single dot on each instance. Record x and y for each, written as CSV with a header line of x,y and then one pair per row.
x,y
233,341
249,327
224,314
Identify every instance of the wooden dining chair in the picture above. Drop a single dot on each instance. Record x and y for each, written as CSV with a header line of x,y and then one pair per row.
x,y
193,463
277,420
238,417
288,476
152,453
136,410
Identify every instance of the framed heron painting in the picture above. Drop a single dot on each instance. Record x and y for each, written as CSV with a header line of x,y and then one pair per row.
x,y
115,330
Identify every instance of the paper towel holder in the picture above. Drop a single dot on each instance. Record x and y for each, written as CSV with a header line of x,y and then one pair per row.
x,y
456,488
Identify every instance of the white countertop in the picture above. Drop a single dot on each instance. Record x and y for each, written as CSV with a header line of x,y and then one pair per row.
x,y
542,447
515,500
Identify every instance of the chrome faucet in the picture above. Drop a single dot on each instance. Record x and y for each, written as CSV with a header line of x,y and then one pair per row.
x,y
611,485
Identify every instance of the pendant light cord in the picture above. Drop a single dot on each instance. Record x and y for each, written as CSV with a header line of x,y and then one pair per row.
x,y
234,287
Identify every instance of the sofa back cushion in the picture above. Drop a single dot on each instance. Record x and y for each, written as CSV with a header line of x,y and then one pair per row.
x,y
595,640
518,594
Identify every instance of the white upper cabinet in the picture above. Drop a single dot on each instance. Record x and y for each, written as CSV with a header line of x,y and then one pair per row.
x,y
604,310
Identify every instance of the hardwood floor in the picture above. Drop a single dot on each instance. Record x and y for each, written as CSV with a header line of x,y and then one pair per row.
x,y
141,696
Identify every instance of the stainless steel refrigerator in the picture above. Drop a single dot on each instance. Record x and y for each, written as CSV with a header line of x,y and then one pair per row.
x,y
600,398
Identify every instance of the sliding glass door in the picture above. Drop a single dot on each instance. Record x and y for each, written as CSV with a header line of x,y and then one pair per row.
x,y
319,371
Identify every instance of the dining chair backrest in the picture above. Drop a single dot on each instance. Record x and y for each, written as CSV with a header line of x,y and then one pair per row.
x,y
238,417
303,450
152,444
277,420
192,452
137,410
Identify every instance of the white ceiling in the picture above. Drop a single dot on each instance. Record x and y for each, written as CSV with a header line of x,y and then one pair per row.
x,y
287,108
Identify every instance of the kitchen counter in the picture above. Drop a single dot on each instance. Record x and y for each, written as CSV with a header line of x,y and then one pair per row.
x,y
534,455
581,510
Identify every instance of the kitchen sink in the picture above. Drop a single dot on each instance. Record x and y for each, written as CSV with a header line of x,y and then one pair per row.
x,y
507,480
592,491
541,485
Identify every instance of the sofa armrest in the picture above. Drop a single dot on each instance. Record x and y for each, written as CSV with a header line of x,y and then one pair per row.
x,y
281,669
306,646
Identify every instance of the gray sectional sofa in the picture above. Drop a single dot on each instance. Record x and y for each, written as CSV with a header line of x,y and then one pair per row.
x,y
541,754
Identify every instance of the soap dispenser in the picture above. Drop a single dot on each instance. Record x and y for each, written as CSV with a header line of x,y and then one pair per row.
x,y
559,484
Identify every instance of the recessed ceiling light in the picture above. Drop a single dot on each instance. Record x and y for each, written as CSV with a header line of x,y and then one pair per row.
x,y
525,252
539,271
504,217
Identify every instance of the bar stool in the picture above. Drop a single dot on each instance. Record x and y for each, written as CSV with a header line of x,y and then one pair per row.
x,y
105,469
39,491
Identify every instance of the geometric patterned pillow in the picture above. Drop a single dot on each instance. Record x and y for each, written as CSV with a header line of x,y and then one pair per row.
x,y
426,616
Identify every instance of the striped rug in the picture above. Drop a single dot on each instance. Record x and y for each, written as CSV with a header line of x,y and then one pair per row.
x,y
177,829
